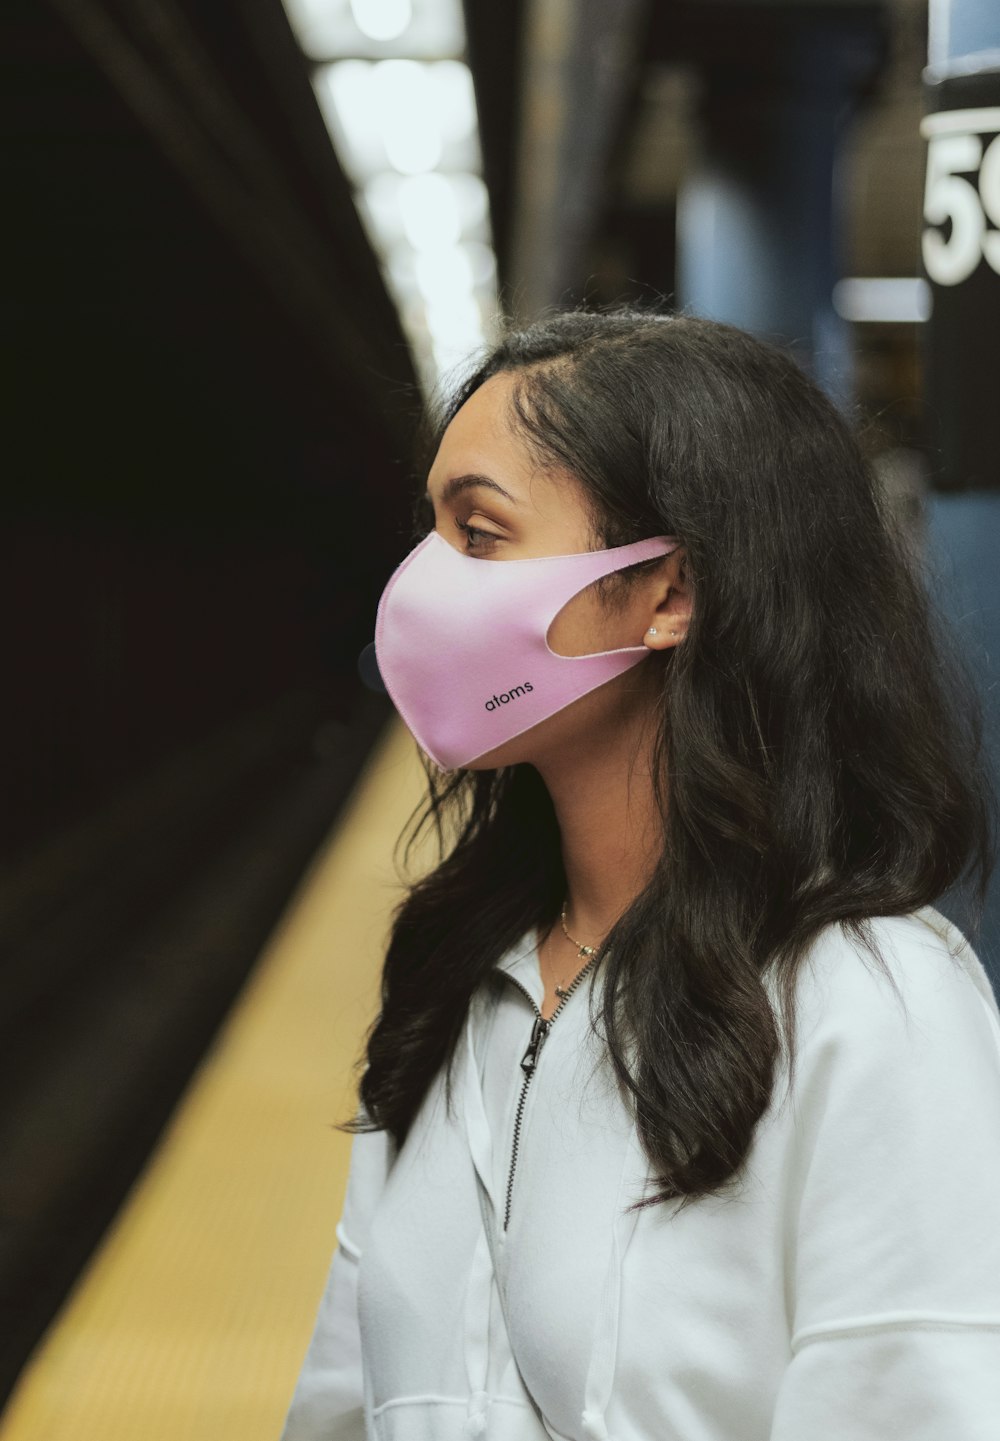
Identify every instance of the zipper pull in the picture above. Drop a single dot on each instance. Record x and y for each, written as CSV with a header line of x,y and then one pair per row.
x,y
538,1033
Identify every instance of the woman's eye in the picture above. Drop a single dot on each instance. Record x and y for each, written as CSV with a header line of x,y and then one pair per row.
x,y
476,539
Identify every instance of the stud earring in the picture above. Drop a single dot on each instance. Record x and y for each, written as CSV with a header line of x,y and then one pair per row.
x,y
652,630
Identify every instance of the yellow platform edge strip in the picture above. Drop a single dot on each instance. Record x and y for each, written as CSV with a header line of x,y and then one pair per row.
x,y
191,1319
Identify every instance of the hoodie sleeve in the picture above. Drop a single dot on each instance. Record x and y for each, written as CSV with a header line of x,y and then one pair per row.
x,y
893,1236
328,1401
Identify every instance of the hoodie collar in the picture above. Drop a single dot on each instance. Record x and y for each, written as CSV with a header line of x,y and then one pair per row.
x,y
521,963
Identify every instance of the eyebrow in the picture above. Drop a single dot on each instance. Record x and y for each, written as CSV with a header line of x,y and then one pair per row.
x,y
459,483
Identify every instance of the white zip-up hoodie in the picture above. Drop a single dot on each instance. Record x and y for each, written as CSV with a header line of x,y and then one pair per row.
x,y
847,1290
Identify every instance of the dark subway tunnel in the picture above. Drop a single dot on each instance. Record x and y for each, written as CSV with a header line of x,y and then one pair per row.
x,y
206,433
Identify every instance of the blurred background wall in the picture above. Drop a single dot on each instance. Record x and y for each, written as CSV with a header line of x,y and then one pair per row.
x,y
244,242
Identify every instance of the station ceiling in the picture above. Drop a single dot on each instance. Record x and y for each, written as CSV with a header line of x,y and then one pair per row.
x,y
590,118
592,115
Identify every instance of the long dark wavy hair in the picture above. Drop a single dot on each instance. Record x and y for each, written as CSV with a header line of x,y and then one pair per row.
x,y
819,751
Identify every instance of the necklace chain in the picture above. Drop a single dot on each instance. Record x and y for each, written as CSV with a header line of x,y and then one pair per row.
x,y
583,950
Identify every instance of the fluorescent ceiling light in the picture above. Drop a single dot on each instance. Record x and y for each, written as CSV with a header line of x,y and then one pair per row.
x,y
458,323
382,19
399,102
444,273
368,29
411,115
891,300
429,210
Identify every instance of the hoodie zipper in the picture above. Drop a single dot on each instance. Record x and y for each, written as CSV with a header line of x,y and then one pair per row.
x,y
529,1061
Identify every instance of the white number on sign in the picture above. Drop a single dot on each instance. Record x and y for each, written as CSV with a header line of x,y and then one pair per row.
x,y
949,197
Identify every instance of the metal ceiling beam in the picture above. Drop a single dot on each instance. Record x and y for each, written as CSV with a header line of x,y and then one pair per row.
x,y
581,59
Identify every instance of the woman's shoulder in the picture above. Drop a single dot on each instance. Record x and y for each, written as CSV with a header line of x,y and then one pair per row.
x,y
921,954
924,988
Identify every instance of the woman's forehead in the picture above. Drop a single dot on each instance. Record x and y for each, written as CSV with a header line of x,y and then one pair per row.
x,y
484,418
482,440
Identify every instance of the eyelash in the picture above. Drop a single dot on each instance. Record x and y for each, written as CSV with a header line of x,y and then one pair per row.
x,y
470,530
476,539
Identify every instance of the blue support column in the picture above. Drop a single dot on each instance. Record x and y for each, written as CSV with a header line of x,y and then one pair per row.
x,y
961,251
757,218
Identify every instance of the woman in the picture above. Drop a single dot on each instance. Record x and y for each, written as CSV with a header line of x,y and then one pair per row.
x,y
681,1117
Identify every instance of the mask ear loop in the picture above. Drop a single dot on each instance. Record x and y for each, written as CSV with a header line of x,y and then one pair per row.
x,y
675,543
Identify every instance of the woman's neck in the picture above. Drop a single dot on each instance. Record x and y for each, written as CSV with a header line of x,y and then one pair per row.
x,y
610,824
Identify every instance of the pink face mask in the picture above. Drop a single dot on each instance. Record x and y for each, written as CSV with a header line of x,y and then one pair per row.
x,y
462,646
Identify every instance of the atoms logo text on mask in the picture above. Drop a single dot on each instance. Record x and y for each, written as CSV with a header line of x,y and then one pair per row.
x,y
508,695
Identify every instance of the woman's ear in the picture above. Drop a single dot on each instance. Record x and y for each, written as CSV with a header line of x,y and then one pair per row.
x,y
670,612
